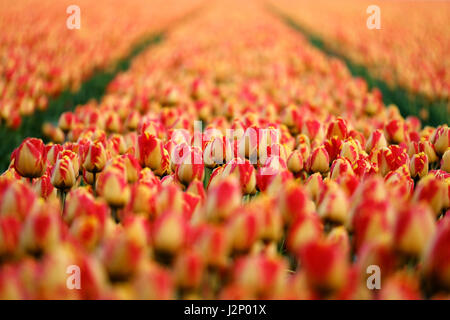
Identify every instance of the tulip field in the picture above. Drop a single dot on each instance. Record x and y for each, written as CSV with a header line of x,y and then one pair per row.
x,y
224,150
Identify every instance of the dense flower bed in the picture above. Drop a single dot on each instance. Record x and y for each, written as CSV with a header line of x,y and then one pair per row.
x,y
410,50
40,56
299,180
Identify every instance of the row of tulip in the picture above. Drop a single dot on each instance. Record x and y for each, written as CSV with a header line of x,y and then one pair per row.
x,y
409,50
40,56
299,182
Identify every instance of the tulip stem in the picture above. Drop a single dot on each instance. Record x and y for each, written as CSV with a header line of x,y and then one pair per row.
x,y
93,183
31,181
114,214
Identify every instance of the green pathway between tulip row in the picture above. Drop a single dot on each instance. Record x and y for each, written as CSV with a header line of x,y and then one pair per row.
x,y
93,88
408,103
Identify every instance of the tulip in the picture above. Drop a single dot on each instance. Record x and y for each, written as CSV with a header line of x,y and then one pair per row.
x,y
432,191
151,153
43,186
189,270
445,162
414,228
10,229
244,230
168,234
244,171
30,158
93,158
376,141
395,131
318,161
261,276
113,187
222,199
304,229
122,256
334,206
191,167
436,260
325,265
337,128
295,161
64,175
441,139
418,165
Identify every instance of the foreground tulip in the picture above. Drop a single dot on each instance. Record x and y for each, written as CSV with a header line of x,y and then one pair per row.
x,y
436,261
168,234
222,199
325,265
413,230
30,158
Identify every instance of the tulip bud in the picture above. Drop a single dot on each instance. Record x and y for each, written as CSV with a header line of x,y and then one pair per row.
x,y
445,162
392,158
418,165
341,167
334,206
400,286
350,150
261,276
154,284
113,187
222,199
16,199
325,265
169,198
63,175
432,191
304,229
93,156
168,234
122,256
295,162
151,153
414,228
318,161
376,141
395,131
244,171
30,158
441,139
217,152
41,231
314,185
337,128
428,148
436,261
243,229
191,167
188,269
294,202
10,229
43,186
313,129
